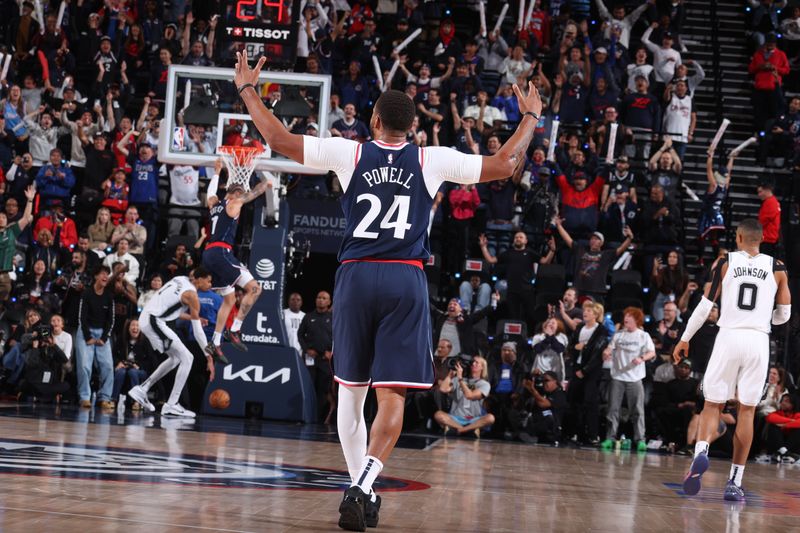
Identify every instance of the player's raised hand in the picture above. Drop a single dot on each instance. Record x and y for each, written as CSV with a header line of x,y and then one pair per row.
x,y
531,102
244,74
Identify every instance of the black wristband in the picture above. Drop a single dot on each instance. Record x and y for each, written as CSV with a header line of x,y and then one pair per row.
x,y
245,86
531,113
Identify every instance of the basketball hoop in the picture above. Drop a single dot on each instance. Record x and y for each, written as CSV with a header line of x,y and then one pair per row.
x,y
241,161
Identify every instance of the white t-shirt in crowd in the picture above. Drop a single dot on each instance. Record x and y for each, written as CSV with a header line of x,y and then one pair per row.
x,y
292,321
64,341
625,347
184,183
584,336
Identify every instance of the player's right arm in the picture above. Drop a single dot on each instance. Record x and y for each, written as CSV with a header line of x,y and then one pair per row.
x,y
211,193
190,300
701,312
272,129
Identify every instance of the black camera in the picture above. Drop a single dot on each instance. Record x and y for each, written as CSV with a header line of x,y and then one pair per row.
x,y
41,332
538,384
461,359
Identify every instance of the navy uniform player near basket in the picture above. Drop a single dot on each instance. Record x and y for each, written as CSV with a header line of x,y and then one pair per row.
x,y
226,270
750,285
381,322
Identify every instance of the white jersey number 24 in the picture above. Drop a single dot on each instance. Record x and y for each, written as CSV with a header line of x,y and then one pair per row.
x,y
400,207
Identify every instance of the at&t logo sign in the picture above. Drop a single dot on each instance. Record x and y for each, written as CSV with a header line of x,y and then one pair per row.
x,y
265,268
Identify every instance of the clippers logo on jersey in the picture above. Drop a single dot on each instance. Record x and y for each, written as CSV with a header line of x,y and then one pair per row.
x,y
54,460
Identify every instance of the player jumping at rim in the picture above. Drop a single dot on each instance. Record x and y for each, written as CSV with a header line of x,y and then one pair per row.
x,y
750,284
227,272
381,323
176,299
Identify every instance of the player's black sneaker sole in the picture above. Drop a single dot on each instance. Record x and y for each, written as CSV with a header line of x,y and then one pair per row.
x,y
372,510
216,353
352,510
235,339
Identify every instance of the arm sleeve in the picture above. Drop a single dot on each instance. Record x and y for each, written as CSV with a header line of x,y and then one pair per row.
x,y
440,164
336,154
199,334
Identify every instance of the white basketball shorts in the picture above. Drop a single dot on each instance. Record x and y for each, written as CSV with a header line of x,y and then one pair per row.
x,y
738,367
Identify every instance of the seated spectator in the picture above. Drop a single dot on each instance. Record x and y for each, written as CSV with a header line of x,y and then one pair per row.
x,y
782,142
101,231
35,288
132,230
548,349
586,352
628,350
776,388
517,266
764,20
475,293
60,226
768,67
55,180
505,377
350,127
466,413
593,264
154,285
544,407
457,327
679,405
115,194
92,342
727,417
669,280
178,265
783,431
14,358
703,343
131,355
662,221
122,255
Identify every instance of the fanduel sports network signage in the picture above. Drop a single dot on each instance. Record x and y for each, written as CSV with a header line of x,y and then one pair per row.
x,y
269,379
320,221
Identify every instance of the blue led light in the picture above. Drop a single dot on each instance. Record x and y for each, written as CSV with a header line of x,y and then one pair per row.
x,y
458,275
494,278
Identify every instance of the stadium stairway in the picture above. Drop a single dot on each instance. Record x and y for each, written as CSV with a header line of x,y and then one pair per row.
x,y
736,90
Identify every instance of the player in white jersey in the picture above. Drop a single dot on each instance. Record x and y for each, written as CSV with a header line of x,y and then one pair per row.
x,y
176,298
750,284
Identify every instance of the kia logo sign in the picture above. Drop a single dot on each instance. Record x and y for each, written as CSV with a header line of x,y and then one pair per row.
x,y
513,329
265,268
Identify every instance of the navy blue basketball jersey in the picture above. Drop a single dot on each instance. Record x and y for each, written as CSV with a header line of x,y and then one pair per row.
x,y
223,227
387,205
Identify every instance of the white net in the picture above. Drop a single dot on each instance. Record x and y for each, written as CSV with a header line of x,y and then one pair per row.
x,y
240,161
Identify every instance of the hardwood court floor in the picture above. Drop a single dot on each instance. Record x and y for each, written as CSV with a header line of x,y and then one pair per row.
x,y
84,472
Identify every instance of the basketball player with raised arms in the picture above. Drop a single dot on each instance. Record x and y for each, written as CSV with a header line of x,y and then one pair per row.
x,y
750,284
381,321
226,270
176,299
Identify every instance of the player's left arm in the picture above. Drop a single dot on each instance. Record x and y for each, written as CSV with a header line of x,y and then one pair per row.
x,y
270,127
190,300
701,312
783,298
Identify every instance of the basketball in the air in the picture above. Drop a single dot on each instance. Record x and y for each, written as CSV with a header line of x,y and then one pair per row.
x,y
219,399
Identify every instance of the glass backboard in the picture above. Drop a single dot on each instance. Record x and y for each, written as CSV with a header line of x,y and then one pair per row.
x,y
203,111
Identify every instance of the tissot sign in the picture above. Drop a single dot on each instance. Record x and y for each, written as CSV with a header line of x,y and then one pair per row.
x,y
34,458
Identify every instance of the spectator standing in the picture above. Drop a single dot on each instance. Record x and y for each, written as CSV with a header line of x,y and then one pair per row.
x,y
9,233
662,221
315,337
580,202
132,230
464,200
292,318
92,342
548,349
665,58
618,22
679,406
669,279
665,170
505,378
769,216
680,120
628,350
768,67
55,180
144,191
122,255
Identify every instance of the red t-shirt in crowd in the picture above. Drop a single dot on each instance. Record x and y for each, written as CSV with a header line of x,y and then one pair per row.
x,y
770,218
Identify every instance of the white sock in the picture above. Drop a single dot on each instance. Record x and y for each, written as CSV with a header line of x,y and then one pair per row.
x,y
370,469
237,325
737,471
351,427
373,497
217,339
782,450
700,447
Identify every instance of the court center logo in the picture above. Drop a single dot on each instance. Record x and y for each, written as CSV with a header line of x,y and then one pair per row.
x,y
265,268
35,458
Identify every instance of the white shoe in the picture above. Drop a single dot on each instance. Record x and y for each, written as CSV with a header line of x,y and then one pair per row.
x,y
138,394
176,410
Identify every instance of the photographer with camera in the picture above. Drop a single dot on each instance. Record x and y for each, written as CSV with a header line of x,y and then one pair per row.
x,y
14,359
44,365
466,412
544,406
